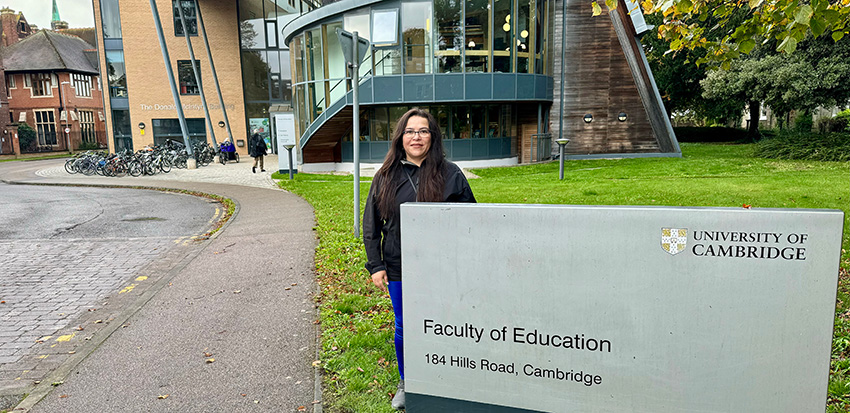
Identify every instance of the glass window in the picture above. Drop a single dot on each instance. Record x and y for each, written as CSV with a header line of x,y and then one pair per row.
x,y
255,72
476,121
416,36
476,35
45,127
315,71
442,115
359,22
493,128
523,40
336,63
121,130
41,84
169,129
385,27
188,85
110,18
387,62
87,132
460,122
189,16
380,125
539,36
271,34
115,74
502,35
449,35
251,32
82,85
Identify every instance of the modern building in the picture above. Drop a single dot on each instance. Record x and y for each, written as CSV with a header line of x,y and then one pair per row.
x,y
490,70
52,86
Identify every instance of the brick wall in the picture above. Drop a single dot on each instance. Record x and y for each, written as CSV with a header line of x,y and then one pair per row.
x,y
149,93
21,100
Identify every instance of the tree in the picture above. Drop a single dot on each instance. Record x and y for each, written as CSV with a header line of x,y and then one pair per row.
x,y
730,29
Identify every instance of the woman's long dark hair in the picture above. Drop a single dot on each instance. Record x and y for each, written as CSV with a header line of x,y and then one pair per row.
x,y
431,178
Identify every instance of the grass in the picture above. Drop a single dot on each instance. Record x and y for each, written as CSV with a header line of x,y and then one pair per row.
x,y
357,350
38,158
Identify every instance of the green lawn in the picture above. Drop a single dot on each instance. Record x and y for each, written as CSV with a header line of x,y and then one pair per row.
x,y
357,354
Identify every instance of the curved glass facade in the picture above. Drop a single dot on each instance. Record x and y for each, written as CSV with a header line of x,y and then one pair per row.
x,y
417,46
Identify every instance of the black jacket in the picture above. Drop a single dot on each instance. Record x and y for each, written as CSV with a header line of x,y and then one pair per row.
x,y
382,238
256,146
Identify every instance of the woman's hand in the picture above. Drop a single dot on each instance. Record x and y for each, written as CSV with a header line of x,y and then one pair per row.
x,y
380,280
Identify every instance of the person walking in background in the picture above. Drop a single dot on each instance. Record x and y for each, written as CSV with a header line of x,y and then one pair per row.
x,y
415,170
257,149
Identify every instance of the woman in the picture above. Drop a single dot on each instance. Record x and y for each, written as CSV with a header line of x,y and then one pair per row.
x,y
415,170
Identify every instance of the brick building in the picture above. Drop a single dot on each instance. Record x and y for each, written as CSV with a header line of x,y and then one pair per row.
x,y
52,85
13,27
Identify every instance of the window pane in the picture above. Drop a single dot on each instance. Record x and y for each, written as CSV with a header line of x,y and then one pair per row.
x,y
359,22
539,36
493,129
188,7
396,112
476,121
297,50
416,36
336,63
476,42
387,62
380,125
385,27
188,85
502,34
110,19
255,72
271,34
449,36
523,46
460,122
116,74
251,32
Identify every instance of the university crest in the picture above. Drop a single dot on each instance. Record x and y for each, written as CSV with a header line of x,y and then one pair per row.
x,y
674,240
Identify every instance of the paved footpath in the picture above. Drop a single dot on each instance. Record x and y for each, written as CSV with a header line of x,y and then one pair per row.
x,y
225,324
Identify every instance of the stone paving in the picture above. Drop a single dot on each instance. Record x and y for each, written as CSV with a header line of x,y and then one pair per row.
x,y
216,173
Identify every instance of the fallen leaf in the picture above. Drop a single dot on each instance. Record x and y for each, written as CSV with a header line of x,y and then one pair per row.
x,y
92,309
302,408
243,394
64,396
162,396
294,284
237,291
56,383
317,363
80,328
210,360
316,402
98,321
37,382
298,382
360,369
207,354
747,206
288,288
72,352
3,302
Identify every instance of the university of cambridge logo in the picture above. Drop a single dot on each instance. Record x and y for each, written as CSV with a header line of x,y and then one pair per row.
x,y
674,240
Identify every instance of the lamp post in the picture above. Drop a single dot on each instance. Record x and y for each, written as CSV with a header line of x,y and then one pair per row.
x,y
289,150
561,143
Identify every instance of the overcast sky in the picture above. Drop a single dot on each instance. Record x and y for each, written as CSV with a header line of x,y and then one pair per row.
x,y
78,13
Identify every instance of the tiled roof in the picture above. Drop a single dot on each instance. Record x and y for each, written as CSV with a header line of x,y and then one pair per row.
x,y
47,50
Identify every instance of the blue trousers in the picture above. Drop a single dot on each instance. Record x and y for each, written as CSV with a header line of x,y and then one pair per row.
x,y
395,297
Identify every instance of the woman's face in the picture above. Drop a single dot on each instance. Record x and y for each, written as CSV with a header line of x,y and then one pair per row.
x,y
416,144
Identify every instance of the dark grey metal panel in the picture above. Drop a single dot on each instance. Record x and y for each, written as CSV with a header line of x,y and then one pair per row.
x,y
479,86
336,106
540,86
504,86
420,403
418,88
387,89
524,86
113,44
448,87
119,103
365,92
550,89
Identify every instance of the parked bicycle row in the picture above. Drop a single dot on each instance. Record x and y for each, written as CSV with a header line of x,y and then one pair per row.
x,y
148,161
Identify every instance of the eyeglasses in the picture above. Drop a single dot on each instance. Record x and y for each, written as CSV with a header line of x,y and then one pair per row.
x,y
408,133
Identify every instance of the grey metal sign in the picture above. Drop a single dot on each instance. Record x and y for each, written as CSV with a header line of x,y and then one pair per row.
x,y
618,309
346,41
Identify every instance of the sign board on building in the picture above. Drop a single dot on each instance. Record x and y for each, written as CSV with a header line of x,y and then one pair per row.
x,y
286,137
618,309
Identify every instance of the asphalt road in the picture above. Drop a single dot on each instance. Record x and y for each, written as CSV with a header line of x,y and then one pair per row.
x,y
51,212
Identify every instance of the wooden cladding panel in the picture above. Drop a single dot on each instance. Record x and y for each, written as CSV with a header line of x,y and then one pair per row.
x,y
324,144
598,81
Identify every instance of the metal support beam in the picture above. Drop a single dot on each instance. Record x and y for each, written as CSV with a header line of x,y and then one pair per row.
x,y
212,67
563,69
196,70
170,74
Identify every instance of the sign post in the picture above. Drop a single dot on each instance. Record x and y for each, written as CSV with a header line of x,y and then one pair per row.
x,y
354,52
285,131
643,309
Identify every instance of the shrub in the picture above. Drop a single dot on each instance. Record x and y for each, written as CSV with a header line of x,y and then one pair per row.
x,y
806,146
836,124
710,134
27,138
803,122
87,146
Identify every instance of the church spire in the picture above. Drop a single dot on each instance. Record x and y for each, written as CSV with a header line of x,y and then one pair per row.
x,y
56,23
